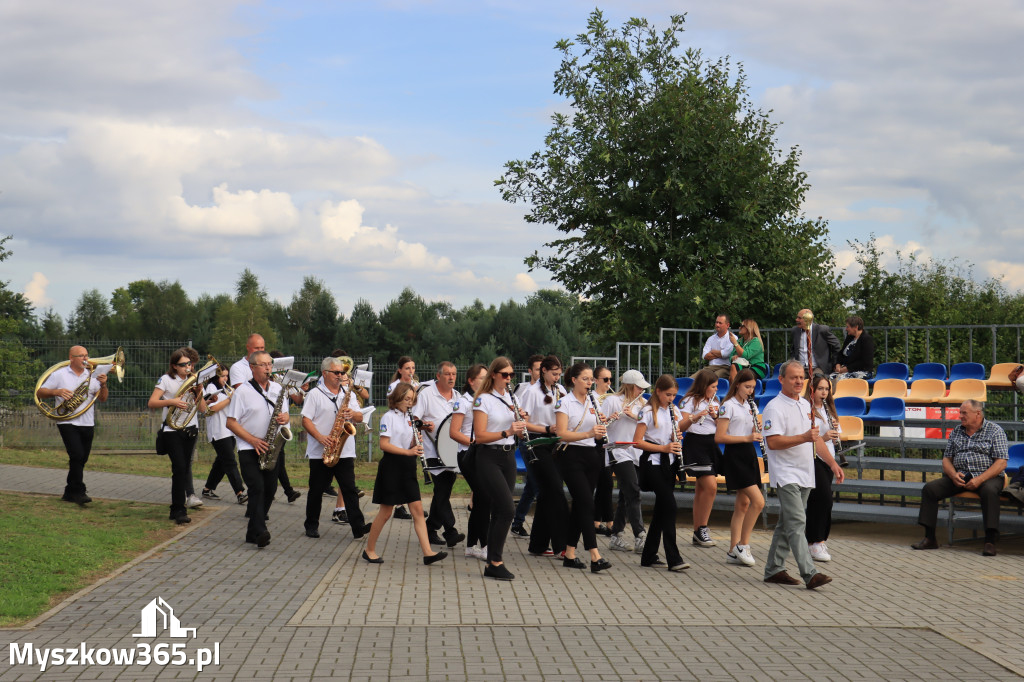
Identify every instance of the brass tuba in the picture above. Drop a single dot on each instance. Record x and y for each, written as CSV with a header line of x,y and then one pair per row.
x,y
178,418
79,403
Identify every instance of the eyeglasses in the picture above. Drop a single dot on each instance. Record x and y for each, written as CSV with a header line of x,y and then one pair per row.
x,y
262,364
183,364
507,375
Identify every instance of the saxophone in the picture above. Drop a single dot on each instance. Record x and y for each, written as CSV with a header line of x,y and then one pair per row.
x,y
341,431
276,435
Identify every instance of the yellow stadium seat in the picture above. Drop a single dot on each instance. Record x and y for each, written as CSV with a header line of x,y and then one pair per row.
x,y
852,428
966,389
851,388
1000,374
888,388
926,391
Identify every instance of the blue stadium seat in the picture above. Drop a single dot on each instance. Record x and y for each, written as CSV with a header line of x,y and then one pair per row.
x,y
891,370
775,371
520,464
886,409
723,388
850,406
763,401
966,370
678,400
772,388
684,384
1016,460
929,370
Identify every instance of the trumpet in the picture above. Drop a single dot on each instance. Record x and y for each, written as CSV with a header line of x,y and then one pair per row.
x,y
79,403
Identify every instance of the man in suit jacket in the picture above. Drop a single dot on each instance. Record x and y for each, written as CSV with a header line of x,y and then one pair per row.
x,y
823,341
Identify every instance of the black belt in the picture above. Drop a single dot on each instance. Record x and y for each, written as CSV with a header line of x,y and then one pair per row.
x,y
502,447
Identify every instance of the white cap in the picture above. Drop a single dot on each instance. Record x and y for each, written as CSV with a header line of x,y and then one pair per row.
x,y
634,377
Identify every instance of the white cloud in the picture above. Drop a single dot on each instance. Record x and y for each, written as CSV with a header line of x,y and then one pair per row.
x,y
1012,274
245,213
523,282
35,290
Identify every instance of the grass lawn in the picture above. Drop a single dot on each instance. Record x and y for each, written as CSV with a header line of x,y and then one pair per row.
x,y
157,465
50,549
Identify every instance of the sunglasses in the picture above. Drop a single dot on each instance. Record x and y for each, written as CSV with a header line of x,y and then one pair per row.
x,y
183,364
335,372
507,375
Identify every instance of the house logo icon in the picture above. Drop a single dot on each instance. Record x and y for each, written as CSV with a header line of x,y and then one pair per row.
x,y
157,617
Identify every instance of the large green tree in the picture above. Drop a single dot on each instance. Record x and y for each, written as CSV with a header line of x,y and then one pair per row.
x,y
13,305
670,188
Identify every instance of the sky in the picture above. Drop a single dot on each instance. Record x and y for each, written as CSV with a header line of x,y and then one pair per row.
x,y
358,142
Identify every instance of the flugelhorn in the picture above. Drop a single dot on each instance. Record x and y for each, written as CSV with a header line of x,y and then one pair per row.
x,y
177,417
79,402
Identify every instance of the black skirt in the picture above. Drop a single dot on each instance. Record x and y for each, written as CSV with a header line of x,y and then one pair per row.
x,y
397,481
700,449
739,464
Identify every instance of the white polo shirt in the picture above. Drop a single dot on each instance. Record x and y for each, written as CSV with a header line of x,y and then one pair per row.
x,y
709,426
321,407
532,402
395,425
582,416
240,372
170,386
498,409
216,423
787,417
720,343
741,422
431,406
66,378
660,434
249,407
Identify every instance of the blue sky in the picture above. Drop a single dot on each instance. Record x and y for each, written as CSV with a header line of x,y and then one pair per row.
x,y
358,141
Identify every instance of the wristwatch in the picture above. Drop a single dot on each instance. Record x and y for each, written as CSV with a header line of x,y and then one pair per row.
x,y
504,435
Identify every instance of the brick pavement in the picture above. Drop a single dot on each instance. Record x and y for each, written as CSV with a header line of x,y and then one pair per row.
x,y
306,609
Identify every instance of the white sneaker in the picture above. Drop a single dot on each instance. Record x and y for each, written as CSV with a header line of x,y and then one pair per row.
x,y
744,556
620,543
702,537
638,542
471,552
819,552
731,557
481,554
193,501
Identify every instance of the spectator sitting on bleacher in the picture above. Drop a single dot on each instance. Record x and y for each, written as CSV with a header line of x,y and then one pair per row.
x,y
823,343
974,461
718,348
856,358
1015,488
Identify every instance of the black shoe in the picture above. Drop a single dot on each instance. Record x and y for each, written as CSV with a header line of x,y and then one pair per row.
x,y
210,495
360,532
246,513
573,563
654,562
330,492
498,572
366,557
599,565
293,495
310,533
519,532
243,497
427,560
263,539
604,530
401,512
250,539
80,499
927,543
453,537
433,538
340,516
360,493
182,519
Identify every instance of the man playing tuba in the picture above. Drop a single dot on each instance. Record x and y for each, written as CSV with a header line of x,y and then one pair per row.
x,y
76,433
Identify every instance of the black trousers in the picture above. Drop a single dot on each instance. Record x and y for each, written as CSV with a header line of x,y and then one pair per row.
x,y
552,512
282,473
628,508
179,447
480,515
320,477
224,464
603,509
819,504
441,513
941,488
496,476
262,486
580,467
662,483
78,443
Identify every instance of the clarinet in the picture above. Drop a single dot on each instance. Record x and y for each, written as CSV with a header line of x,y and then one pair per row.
x,y
753,413
417,437
675,439
600,417
713,401
528,454
837,443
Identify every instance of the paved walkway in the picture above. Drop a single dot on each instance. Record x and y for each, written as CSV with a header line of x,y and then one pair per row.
x,y
305,609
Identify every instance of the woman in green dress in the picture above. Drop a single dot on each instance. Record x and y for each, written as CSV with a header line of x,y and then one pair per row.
x,y
748,351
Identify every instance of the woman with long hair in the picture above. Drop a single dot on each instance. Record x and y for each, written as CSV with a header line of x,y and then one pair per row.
x,y
580,462
405,371
461,431
748,351
495,430
223,441
699,410
738,431
396,481
660,442
179,443
624,407
819,502
604,510
552,510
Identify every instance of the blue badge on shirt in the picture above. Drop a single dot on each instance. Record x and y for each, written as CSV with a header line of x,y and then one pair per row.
x,y
478,402
383,427
767,424
558,403
455,407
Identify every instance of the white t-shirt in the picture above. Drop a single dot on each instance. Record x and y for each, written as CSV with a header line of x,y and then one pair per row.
x,y
397,427
431,406
622,429
499,415
709,425
170,386
240,372
465,407
576,411
532,402
784,416
391,386
321,407
66,378
660,434
216,423
722,343
253,409
741,422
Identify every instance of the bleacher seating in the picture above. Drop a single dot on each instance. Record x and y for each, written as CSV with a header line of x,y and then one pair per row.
x,y
684,384
891,370
999,375
851,387
966,370
851,428
851,406
888,388
926,391
886,409
966,389
723,388
929,370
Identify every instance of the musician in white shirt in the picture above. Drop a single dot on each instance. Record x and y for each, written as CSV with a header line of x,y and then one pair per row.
x,y
404,373
624,408
700,454
240,372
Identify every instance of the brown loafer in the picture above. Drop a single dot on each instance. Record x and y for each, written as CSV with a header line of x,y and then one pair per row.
x,y
925,544
989,550
817,580
782,578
